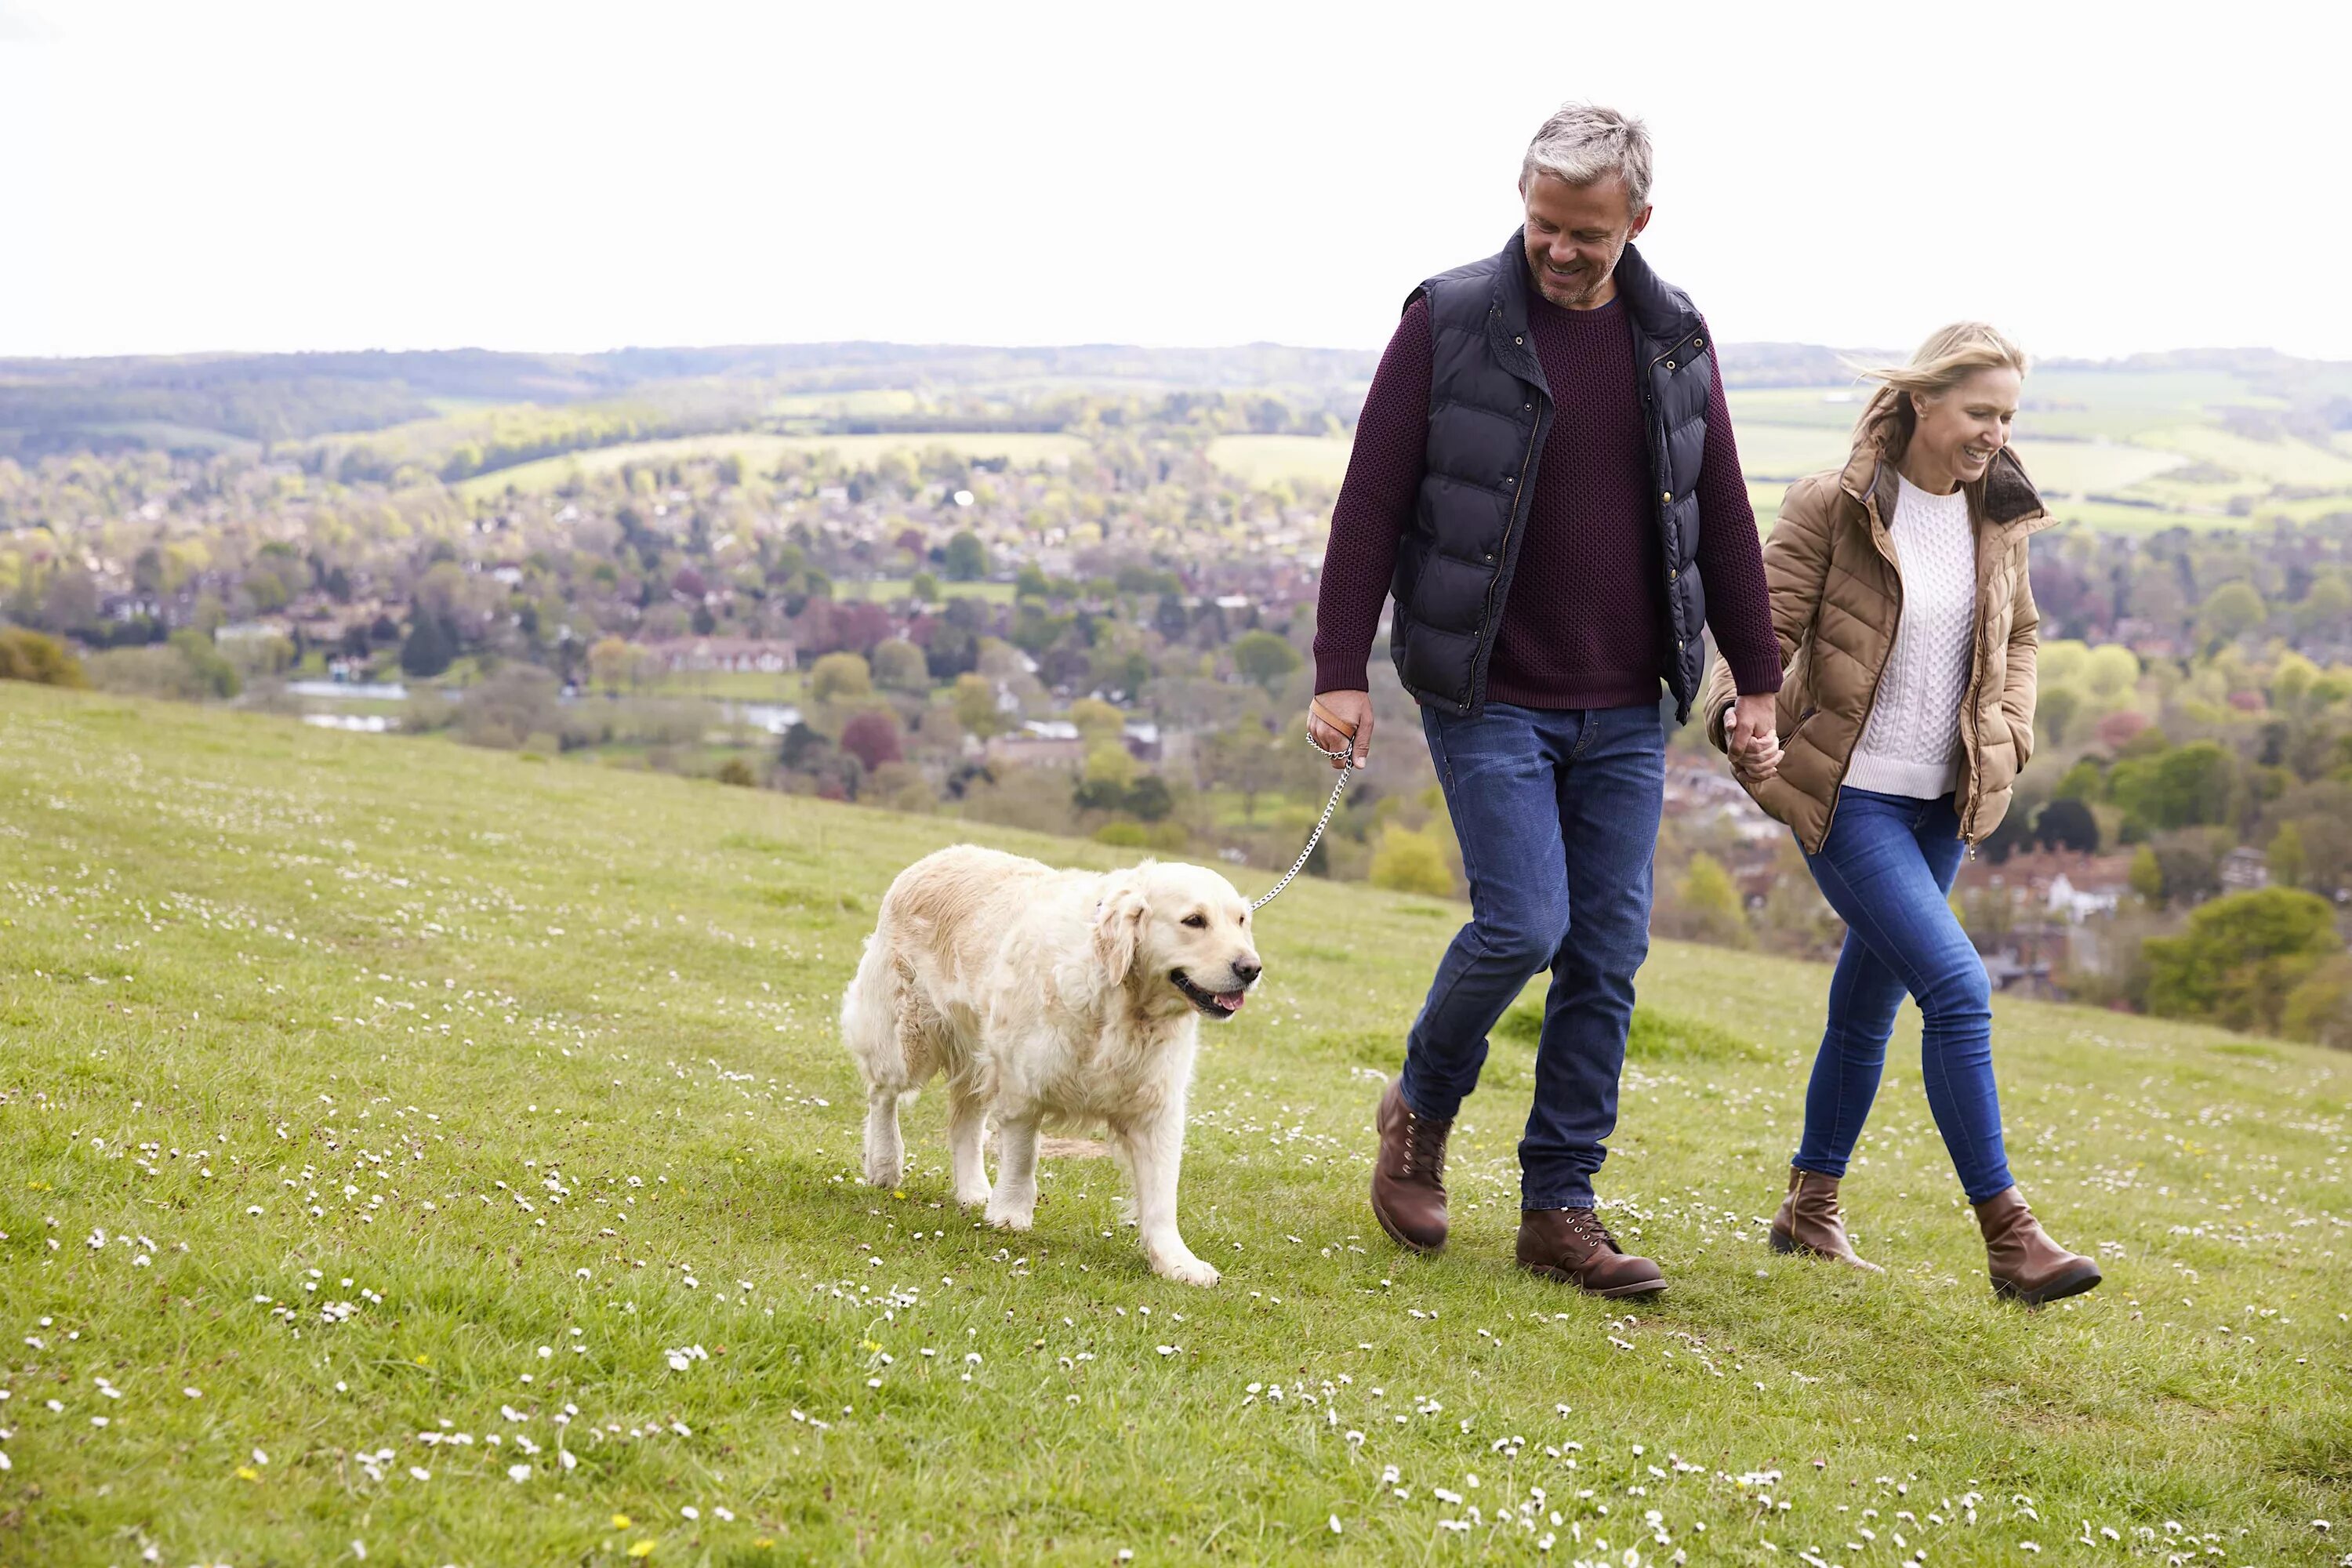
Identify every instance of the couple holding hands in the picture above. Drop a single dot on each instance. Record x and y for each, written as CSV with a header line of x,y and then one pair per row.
x,y
1546,481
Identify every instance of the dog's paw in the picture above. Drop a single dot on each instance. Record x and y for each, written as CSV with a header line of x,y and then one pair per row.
x,y
1008,1218
973,1197
1186,1269
883,1173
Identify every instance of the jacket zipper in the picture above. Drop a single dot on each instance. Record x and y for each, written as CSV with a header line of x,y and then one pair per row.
x,y
1980,653
1869,511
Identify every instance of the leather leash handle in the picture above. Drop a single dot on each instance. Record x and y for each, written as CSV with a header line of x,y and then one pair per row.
x,y
1330,719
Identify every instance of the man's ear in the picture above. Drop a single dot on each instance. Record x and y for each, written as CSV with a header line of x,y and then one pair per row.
x,y
1118,928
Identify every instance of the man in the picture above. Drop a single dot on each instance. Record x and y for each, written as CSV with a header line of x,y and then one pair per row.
x,y
1544,475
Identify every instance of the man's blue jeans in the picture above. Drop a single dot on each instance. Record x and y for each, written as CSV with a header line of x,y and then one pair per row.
x,y
1557,813
1886,868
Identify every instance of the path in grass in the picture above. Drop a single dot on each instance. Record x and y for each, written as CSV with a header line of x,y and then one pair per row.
x,y
421,1149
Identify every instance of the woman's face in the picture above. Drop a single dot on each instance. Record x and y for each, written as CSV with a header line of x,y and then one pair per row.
x,y
1959,431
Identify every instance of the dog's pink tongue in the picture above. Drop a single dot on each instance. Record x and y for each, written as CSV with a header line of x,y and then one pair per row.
x,y
1231,1000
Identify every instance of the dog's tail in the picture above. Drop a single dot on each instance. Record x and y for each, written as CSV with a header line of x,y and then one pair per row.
x,y
870,1009
871,1014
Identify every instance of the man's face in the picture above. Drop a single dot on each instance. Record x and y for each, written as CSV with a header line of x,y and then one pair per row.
x,y
1575,235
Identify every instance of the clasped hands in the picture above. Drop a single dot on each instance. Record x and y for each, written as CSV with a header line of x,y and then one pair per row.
x,y
1341,722
1751,738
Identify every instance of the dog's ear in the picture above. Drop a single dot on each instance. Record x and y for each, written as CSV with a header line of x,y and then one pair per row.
x,y
1118,927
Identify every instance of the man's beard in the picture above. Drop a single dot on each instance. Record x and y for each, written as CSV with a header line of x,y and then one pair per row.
x,y
1553,291
1575,295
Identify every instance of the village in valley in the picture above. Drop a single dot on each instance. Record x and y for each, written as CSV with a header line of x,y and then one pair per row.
x,y
1084,601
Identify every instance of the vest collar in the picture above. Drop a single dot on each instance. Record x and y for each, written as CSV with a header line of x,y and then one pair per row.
x,y
1660,312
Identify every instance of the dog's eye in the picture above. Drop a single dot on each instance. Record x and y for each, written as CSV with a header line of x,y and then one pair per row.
x,y
1197,922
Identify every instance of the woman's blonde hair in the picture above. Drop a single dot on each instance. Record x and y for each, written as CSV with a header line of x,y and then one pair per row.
x,y
1949,356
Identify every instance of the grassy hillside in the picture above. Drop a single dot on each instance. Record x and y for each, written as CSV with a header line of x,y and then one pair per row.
x,y
426,1151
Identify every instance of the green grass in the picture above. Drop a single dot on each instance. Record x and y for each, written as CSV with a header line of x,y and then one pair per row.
x,y
762,451
1827,407
2116,517
541,1058
2284,461
887,588
734,685
864,403
1263,459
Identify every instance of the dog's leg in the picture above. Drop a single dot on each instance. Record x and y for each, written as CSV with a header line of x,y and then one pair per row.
x,y
1154,1152
886,1154
1013,1203
967,1120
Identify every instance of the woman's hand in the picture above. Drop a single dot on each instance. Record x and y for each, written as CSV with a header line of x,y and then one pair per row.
x,y
1750,738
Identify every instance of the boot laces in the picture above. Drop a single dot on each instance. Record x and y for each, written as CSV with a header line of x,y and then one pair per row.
x,y
1586,1224
1431,1153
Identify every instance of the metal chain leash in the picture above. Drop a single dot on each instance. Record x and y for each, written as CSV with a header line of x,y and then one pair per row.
x,y
1320,823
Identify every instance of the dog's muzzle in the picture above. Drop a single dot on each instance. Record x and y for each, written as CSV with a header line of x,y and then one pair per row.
x,y
1216,1004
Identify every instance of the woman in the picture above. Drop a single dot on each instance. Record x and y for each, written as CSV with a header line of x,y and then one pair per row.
x,y
1907,634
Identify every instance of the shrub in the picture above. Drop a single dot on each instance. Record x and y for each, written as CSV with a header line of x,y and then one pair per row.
x,y
2320,1008
163,672
966,558
872,737
899,665
2068,824
2180,788
1707,906
2242,957
27,654
1264,658
737,771
839,675
1411,862
429,649
508,708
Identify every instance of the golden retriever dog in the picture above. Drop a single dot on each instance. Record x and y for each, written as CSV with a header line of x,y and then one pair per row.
x,y
1048,997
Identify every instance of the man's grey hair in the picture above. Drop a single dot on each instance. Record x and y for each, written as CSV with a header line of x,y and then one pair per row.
x,y
1584,143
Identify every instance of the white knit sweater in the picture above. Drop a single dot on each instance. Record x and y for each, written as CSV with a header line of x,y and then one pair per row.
x,y
1912,744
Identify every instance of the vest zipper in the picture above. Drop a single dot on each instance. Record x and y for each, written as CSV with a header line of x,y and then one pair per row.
x,y
1503,557
1665,479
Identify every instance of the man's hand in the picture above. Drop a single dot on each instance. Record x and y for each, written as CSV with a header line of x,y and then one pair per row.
x,y
1342,721
1750,738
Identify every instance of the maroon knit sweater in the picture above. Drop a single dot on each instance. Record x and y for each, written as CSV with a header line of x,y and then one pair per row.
x,y
1585,622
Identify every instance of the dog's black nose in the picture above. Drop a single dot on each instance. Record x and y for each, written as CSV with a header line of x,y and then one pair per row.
x,y
1247,973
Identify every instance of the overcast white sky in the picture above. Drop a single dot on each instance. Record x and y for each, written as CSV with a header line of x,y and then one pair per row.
x,y
2096,178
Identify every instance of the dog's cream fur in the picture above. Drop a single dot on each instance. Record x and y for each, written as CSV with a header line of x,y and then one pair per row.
x,y
1046,996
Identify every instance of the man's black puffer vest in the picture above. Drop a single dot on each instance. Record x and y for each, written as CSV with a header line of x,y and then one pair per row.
x,y
1489,411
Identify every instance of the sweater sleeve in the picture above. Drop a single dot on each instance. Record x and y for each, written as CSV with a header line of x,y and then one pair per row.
x,y
1731,559
1376,499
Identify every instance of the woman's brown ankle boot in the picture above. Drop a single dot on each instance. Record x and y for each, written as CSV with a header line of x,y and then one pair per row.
x,y
1810,1221
2025,1264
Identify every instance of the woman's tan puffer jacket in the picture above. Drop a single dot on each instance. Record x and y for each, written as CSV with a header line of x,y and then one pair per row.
x,y
1836,596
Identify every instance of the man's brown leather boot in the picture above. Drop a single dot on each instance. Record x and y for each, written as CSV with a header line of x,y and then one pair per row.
x,y
1810,1221
2025,1264
1573,1246
1408,1174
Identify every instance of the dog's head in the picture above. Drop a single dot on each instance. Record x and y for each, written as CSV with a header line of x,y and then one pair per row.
x,y
1178,936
